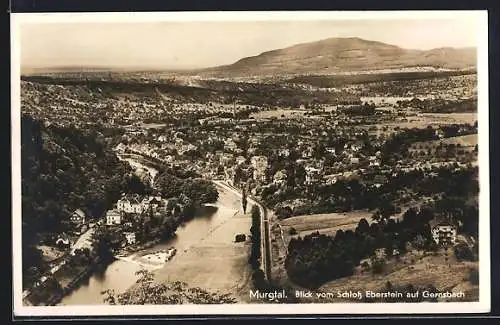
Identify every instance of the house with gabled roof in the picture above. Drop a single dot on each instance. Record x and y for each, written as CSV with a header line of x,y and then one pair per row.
x,y
153,202
131,203
78,217
444,232
113,217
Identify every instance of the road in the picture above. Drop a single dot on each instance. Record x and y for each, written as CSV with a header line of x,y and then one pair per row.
x,y
84,241
264,227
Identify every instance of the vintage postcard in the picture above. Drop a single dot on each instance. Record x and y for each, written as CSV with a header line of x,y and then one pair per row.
x,y
238,163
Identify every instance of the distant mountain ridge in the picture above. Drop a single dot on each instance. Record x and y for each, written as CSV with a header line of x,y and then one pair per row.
x,y
328,56
335,55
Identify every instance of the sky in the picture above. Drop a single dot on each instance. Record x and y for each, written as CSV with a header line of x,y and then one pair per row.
x,y
184,45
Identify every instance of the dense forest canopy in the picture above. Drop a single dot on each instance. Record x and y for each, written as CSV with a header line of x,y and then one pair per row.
x,y
64,169
327,81
318,258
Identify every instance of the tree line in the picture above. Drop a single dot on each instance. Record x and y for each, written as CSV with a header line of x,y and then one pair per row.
x,y
352,194
319,258
64,169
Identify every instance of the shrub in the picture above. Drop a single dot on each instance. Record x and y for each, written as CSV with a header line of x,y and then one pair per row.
x,y
474,277
463,252
283,212
378,265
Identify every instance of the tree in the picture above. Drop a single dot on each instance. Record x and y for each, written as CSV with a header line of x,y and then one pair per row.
x,y
283,212
104,242
238,175
33,265
244,201
463,252
419,242
363,226
378,265
148,292
255,230
136,185
410,217
200,191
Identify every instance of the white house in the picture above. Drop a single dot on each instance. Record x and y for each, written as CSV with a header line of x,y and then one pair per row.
x,y
113,217
78,217
313,175
131,204
330,150
130,237
354,160
229,144
307,152
443,232
358,145
226,159
284,152
374,161
280,177
240,160
120,147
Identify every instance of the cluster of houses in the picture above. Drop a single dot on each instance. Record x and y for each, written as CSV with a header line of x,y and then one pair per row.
x,y
133,205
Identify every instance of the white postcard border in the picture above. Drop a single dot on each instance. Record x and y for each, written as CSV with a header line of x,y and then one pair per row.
x,y
484,303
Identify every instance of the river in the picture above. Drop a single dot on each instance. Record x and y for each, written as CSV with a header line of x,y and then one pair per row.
x,y
120,274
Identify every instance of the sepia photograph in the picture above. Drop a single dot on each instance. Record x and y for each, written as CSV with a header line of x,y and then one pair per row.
x,y
229,163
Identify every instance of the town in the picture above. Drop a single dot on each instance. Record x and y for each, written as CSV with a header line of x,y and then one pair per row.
x,y
333,159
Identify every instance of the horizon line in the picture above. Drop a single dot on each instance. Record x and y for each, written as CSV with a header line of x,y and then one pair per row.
x,y
147,68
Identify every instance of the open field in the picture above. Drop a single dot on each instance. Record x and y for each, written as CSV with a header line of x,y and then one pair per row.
x,y
423,120
279,114
464,140
324,223
450,118
447,274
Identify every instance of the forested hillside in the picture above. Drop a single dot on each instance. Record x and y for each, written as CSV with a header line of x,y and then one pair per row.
x,y
64,169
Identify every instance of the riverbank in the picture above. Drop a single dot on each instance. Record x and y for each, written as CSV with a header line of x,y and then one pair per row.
x,y
59,285
207,255
139,256
120,275
65,280
212,259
